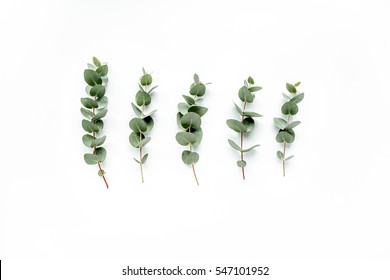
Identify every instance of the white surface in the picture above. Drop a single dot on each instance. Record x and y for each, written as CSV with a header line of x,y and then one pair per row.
x,y
334,202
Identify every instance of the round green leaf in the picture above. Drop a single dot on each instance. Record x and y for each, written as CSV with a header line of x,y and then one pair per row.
x,y
102,102
99,115
280,155
198,89
99,124
100,154
289,108
89,103
185,138
241,163
146,80
87,140
298,98
138,125
250,80
183,108
198,109
98,141
243,92
291,88
249,123
101,172
97,91
234,145
191,120
89,126
199,135
102,70
280,123
86,113
143,98
284,136
134,139
236,125
90,159
189,158
196,79
190,101
96,61
92,78
149,123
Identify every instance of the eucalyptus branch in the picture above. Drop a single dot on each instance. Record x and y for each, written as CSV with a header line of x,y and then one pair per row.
x,y
143,123
246,122
286,134
189,120
96,78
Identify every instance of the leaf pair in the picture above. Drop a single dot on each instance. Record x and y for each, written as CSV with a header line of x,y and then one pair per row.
x,y
94,111
189,120
286,134
246,123
143,123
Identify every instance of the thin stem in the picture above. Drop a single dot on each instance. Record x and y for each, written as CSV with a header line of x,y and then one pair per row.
x,y
242,143
140,148
284,151
94,152
193,168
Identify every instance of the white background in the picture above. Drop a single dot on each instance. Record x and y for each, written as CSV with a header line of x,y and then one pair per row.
x,y
331,209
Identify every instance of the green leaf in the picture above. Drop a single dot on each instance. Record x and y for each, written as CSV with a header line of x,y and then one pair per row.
x,y
241,163
102,70
138,125
297,84
99,115
100,154
136,110
143,98
281,123
199,135
243,93
134,139
252,114
198,109
189,157
253,89
91,66
150,114
90,159
190,101
234,145
145,141
86,113
185,138
151,90
178,119
284,136
96,61
88,89
249,123
89,103
286,96
136,160
98,91
92,78
196,78
99,124
101,172
183,108
288,158
236,125
250,80
104,80
87,140
292,124
144,158
98,141
102,102
191,120
149,123
89,126
146,80
198,89
291,88
289,108
238,109
297,98
280,155
250,149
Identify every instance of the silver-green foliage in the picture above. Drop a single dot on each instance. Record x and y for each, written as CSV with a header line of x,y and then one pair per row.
x,y
94,111
246,123
286,133
189,121
143,123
